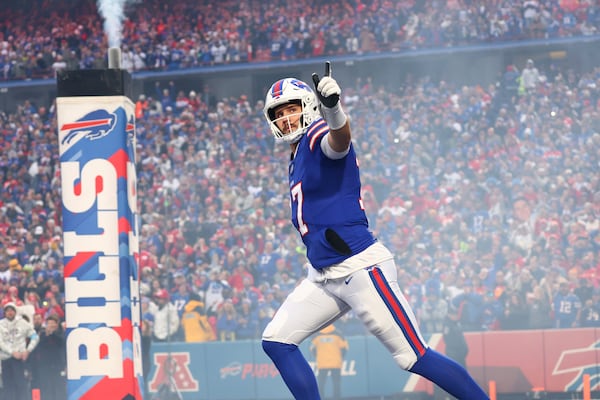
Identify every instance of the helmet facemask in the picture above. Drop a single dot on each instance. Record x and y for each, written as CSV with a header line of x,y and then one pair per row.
x,y
291,91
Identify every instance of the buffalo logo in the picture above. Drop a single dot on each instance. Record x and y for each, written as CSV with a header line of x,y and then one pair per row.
x,y
578,362
233,369
92,126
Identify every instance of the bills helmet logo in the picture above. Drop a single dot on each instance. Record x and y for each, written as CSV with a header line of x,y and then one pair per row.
x,y
300,84
278,87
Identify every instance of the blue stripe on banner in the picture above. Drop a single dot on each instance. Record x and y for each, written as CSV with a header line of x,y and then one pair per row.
x,y
78,388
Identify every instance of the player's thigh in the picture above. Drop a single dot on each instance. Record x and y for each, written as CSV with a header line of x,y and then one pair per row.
x,y
307,309
377,300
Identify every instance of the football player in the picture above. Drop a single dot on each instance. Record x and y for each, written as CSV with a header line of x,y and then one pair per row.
x,y
350,268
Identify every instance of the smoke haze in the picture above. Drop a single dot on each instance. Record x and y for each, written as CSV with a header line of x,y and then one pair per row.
x,y
113,13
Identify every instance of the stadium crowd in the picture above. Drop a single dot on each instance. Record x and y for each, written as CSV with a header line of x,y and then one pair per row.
x,y
488,196
39,37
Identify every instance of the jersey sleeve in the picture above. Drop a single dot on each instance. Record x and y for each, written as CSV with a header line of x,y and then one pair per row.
x,y
316,133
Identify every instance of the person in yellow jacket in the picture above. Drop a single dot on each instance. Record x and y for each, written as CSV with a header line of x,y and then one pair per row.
x,y
329,348
196,327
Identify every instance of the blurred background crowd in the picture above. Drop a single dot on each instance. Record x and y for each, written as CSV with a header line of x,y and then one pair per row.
x,y
39,37
489,195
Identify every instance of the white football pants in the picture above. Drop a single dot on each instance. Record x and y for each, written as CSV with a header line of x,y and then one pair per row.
x,y
373,293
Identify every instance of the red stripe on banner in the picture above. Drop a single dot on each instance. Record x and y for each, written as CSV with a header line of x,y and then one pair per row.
x,y
85,124
77,261
108,388
398,310
124,225
99,184
125,331
119,161
103,351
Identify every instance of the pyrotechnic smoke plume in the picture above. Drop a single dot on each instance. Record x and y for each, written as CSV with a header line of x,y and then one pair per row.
x,y
113,12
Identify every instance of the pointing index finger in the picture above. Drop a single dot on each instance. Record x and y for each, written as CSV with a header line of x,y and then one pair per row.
x,y
315,79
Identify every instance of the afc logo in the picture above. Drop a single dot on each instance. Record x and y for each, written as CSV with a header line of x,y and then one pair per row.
x,y
173,368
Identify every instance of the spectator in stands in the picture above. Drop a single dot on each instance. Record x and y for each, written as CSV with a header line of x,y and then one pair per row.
x,y
267,262
241,277
432,314
195,324
590,312
566,307
227,322
38,323
147,329
213,290
539,309
5,272
530,77
182,293
48,362
492,311
166,317
12,296
469,306
516,312
585,290
247,321
17,341
52,306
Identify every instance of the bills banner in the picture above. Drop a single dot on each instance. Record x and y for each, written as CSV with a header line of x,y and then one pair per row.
x,y
100,226
520,362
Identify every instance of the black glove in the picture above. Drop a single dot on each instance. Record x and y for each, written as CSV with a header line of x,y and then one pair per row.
x,y
327,89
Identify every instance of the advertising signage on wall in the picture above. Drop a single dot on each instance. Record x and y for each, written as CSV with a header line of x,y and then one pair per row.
x,y
517,361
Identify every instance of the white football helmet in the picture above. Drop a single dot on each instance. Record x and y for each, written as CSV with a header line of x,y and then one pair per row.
x,y
291,90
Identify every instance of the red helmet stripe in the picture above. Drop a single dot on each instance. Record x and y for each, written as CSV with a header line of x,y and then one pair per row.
x,y
277,88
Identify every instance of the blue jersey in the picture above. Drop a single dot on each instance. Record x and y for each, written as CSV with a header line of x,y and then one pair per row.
x,y
326,206
566,308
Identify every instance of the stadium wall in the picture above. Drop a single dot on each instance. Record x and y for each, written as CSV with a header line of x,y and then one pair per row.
x,y
518,361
